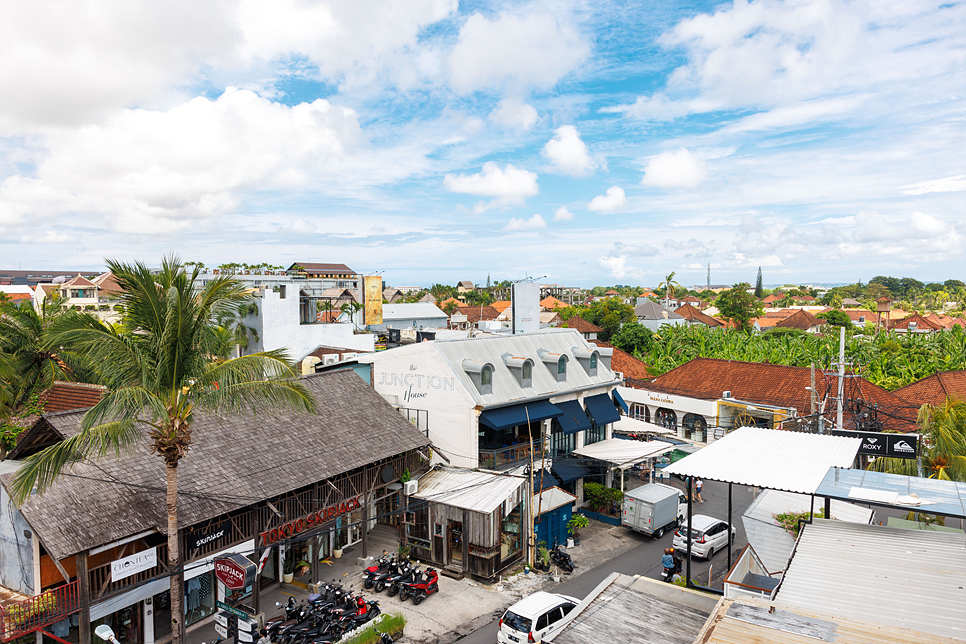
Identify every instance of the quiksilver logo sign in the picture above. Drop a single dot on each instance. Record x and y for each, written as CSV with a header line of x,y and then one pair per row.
x,y
903,446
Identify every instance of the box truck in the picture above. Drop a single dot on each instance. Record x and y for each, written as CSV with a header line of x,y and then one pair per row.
x,y
654,509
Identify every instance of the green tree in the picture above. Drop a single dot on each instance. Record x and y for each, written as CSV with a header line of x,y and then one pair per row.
x,y
634,338
836,318
157,374
758,287
669,286
739,306
608,314
942,446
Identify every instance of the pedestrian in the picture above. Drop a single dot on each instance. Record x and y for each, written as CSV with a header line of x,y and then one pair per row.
x,y
698,486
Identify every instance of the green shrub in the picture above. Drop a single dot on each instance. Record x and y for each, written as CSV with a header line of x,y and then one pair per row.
x,y
600,497
392,624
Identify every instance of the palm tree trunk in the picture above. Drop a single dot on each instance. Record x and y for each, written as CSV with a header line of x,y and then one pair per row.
x,y
174,555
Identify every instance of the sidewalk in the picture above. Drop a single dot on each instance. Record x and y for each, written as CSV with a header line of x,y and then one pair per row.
x,y
461,606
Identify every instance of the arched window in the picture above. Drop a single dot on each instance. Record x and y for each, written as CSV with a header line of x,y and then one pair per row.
x,y
486,376
562,366
593,362
527,370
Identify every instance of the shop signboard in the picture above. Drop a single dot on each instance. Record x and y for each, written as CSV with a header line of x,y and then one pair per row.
x,y
315,519
138,562
373,299
222,631
213,534
231,610
235,571
882,444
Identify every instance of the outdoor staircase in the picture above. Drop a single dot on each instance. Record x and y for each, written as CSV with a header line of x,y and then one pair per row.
x,y
454,571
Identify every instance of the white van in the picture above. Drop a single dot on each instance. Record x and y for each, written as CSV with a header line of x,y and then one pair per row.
x,y
535,618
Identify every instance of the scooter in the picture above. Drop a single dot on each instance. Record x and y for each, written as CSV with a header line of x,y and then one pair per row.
x,y
403,574
563,560
421,588
382,565
667,574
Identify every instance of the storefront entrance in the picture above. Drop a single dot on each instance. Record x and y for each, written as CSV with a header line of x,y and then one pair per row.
x,y
454,542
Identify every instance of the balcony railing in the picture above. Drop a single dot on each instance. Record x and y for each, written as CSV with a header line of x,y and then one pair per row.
x,y
32,614
510,456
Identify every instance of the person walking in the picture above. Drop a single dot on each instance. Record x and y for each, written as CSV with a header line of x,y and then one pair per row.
x,y
698,486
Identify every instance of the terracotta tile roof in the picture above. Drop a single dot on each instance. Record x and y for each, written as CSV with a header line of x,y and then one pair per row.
x,y
920,322
582,325
624,362
611,292
779,385
106,284
936,388
774,297
323,350
78,281
64,396
803,298
323,268
800,320
442,305
648,294
550,303
477,313
768,321
692,314
855,314
329,317
502,305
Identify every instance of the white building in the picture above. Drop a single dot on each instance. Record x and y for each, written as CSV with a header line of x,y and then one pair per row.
x,y
482,400
284,320
418,315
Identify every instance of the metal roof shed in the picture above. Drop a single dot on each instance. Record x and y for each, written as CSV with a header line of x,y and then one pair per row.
x,y
947,498
622,453
769,458
471,490
906,578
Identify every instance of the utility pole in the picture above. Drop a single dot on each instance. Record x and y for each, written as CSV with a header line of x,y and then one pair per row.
x,y
814,396
838,418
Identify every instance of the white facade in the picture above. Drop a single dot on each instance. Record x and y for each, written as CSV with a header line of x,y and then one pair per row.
x,y
652,407
278,326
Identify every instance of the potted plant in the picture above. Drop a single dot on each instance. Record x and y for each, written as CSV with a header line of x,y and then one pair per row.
x,y
543,559
301,567
288,571
577,521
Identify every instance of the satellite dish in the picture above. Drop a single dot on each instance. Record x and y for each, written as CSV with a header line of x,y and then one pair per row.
x,y
388,474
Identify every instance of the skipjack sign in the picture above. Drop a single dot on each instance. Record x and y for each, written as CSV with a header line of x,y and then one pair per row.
x,y
124,568
235,571
307,523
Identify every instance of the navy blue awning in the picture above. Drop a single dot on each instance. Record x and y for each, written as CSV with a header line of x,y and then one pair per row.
x,y
574,418
504,417
602,408
569,470
620,402
549,480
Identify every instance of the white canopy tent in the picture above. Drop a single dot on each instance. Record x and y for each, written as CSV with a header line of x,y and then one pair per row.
x,y
627,425
621,454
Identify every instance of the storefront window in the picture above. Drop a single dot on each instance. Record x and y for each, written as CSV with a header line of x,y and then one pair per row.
x,y
199,597
561,445
511,539
594,434
126,624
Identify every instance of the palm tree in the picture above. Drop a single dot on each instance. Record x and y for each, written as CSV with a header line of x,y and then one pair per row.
x,y
157,373
669,285
942,448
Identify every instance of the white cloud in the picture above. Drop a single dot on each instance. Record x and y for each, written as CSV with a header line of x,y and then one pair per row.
x,y
568,153
949,184
302,227
675,169
639,250
534,223
514,51
563,214
514,113
509,185
614,199
154,172
618,268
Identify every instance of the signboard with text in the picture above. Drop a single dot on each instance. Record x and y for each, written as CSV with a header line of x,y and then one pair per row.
x,y
213,534
138,562
882,444
235,571
373,298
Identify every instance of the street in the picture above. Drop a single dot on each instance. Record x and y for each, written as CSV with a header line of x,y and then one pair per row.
x,y
645,558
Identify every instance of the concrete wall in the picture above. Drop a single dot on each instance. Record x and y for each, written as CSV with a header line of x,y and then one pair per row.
x,y
416,377
278,326
419,323
17,561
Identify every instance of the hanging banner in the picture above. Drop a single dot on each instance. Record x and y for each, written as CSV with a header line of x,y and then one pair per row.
x,y
213,534
373,299
138,562
882,444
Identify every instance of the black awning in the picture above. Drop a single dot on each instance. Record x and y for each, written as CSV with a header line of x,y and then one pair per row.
x,y
574,418
602,408
549,480
514,415
619,401
569,470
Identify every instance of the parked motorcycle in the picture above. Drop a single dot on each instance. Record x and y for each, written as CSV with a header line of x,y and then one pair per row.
x,y
381,566
421,587
563,560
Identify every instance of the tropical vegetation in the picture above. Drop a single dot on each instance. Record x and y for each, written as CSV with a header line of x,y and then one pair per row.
x,y
942,445
161,366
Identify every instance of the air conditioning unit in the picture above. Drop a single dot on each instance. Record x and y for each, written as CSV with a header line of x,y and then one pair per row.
x,y
619,375
330,358
409,488
726,394
349,356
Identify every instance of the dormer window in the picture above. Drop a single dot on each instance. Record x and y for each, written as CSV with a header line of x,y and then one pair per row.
x,y
521,368
556,362
562,366
588,358
481,373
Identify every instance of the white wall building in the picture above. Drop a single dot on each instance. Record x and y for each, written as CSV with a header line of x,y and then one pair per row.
x,y
481,400
418,315
284,321
691,417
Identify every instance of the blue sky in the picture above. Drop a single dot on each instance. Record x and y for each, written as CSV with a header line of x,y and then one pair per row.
x,y
591,142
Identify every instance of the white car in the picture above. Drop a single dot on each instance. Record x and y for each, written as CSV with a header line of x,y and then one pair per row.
x,y
708,536
534,618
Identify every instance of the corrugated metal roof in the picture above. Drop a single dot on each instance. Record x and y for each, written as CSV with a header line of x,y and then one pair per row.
x,y
468,489
506,386
769,458
947,498
411,311
791,626
553,498
624,453
906,578
772,543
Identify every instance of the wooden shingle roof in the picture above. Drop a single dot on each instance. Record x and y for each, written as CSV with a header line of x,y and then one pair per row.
x,y
234,461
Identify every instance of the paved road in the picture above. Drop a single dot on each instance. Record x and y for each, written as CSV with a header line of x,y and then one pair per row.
x,y
645,558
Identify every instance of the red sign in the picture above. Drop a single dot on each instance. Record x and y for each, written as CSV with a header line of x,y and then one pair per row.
x,y
235,571
313,520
